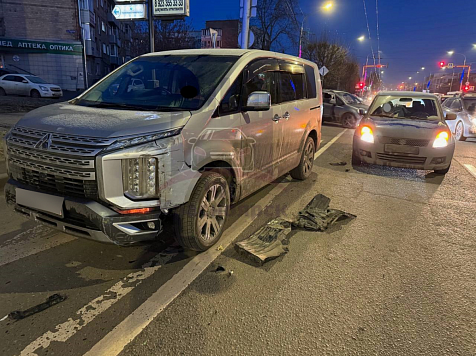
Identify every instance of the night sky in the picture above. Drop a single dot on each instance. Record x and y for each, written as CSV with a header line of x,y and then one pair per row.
x,y
413,33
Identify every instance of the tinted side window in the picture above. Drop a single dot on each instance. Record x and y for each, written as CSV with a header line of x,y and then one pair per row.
x,y
231,101
340,102
447,103
9,78
287,88
311,82
260,76
298,80
456,105
19,79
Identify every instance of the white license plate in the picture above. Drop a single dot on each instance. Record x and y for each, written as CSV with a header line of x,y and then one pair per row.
x,y
402,149
39,201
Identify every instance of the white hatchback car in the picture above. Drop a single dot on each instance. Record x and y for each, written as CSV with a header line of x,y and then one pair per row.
x,y
28,85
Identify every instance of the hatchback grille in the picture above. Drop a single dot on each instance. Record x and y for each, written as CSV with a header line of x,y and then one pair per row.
x,y
55,89
401,158
404,141
67,167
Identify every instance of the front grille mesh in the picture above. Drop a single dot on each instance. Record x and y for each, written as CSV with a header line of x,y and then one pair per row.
x,y
401,158
67,167
404,141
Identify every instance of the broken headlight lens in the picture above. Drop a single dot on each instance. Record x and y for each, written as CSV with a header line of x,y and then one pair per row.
x,y
140,178
142,139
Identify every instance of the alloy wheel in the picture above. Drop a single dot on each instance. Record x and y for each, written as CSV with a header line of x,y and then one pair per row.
x,y
308,157
212,213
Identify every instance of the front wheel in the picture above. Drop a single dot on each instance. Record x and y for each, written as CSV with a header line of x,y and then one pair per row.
x,y
3,92
356,161
199,223
35,94
460,132
348,121
304,169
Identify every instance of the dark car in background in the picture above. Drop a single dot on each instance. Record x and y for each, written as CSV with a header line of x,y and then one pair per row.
x,y
343,108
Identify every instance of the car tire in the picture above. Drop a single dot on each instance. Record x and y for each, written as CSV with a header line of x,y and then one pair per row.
x,y
195,220
303,171
459,132
356,161
3,92
35,94
442,171
348,121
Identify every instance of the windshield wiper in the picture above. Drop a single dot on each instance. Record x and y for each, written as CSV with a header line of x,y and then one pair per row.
x,y
418,118
383,115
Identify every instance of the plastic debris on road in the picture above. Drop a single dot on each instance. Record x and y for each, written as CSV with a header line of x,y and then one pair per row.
x,y
52,300
317,216
267,243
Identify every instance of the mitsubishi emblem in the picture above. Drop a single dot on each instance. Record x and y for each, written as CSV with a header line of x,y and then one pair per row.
x,y
45,142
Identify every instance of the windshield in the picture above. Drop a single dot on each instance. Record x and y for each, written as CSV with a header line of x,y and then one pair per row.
x,y
36,80
350,99
405,107
161,83
470,105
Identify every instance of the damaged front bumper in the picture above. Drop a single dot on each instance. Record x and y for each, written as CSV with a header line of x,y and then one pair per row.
x,y
91,220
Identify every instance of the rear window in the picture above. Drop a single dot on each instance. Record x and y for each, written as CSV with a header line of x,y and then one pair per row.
x,y
311,82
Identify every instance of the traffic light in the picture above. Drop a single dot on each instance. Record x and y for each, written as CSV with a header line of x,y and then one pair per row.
x,y
466,88
442,64
361,85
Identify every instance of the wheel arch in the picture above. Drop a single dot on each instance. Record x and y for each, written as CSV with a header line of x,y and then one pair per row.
x,y
227,170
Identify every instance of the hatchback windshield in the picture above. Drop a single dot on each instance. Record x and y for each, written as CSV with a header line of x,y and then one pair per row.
x,y
36,80
405,107
351,99
161,83
470,105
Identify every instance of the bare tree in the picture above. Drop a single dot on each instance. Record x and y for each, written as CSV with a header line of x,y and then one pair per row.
x,y
168,36
343,69
278,23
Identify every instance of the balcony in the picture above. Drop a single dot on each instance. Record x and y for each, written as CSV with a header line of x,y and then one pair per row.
x,y
91,48
114,60
112,20
88,17
112,39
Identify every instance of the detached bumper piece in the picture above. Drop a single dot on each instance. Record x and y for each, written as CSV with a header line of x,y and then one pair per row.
x,y
92,220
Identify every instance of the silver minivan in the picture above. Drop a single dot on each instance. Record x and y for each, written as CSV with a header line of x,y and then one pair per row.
x,y
204,130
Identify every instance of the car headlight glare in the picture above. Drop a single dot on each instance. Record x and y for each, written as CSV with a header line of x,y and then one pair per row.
x,y
43,88
366,134
441,140
140,177
142,139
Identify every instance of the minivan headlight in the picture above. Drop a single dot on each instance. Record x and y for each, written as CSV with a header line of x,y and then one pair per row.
x,y
142,139
140,177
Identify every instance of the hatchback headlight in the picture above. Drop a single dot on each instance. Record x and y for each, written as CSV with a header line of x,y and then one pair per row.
x,y
140,177
43,88
366,134
441,140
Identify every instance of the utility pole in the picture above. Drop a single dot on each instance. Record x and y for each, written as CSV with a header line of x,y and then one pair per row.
x,y
245,28
151,26
83,42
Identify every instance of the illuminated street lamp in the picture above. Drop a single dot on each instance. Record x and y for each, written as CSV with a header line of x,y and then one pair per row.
x,y
422,68
327,6
410,78
361,39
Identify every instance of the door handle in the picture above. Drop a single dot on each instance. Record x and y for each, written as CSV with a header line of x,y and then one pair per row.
x,y
286,116
276,118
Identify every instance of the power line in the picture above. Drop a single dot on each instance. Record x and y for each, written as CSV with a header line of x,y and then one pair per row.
x,y
368,30
378,34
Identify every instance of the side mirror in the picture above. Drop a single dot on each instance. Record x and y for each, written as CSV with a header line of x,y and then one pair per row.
x,y
258,101
333,102
24,81
450,116
362,112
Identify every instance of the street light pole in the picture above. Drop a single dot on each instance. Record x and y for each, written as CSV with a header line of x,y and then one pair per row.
x,y
151,26
245,28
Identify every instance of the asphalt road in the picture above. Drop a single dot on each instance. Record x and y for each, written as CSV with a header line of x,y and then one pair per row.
x,y
397,280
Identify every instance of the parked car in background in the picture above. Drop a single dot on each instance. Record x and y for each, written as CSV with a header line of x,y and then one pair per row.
x,y
201,130
464,107
28,85
343,108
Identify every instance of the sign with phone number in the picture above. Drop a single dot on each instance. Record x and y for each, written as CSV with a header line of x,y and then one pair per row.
x,y
170,8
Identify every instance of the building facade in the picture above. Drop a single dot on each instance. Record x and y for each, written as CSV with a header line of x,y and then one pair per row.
x,y
228,31
43,38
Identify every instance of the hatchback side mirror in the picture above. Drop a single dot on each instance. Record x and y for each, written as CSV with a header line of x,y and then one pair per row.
x,y
362,112
258,101
333,101
450,116
24,81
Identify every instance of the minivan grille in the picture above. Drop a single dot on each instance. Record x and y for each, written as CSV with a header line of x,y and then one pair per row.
x,y
66,167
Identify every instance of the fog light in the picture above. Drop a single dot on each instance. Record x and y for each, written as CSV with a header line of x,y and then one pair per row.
x,y
151,225
365,153
438,160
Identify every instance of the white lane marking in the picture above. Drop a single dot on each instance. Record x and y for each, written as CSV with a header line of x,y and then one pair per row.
x,y
470,168
30,242
329,144
97,306
115,341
